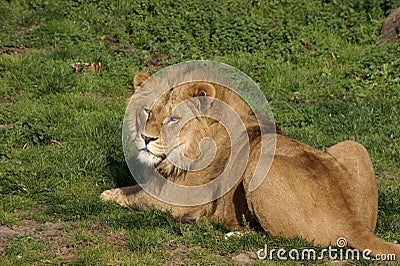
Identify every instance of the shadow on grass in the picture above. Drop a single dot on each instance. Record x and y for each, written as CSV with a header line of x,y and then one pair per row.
x,y
119,172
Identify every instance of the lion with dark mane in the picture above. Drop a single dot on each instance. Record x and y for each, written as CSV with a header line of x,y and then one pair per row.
x,y
320,196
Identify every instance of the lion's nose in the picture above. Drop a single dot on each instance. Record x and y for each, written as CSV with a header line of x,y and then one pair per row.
x,y
147,139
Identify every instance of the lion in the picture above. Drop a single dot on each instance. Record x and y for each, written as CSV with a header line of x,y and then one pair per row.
x,y
318,195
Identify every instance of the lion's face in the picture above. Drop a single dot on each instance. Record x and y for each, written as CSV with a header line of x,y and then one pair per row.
x,y
174,127
186,129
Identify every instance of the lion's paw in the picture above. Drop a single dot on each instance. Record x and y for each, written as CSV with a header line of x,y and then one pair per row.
x,y
115,194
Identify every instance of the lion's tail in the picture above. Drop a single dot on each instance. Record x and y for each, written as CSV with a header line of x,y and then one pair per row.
x,y
364,239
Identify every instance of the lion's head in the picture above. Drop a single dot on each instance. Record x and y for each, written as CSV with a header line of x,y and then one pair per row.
x,y
174,133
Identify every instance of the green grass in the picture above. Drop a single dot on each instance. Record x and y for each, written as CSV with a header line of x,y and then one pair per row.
x,y
60,132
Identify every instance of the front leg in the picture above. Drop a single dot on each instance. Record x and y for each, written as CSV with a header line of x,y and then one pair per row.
x,y
131,197
123,196
136,198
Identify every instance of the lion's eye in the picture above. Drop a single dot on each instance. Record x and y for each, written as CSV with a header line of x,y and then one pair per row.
x,y
174,119
171,119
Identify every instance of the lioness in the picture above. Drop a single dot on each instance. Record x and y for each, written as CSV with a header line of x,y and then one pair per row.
x,y
320,196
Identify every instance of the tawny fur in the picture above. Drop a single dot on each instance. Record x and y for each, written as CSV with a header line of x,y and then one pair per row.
x,y
320,196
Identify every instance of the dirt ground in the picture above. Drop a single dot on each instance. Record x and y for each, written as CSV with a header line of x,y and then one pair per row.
x,y
54,237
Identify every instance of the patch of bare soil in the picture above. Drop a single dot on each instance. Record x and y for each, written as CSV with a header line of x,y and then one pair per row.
x,y
7,99
245,258
182,255
55,237
388,176
24,30
179,255
49,233
14,50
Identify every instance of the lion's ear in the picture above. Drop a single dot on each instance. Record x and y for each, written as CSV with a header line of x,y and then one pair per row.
x,y
139,79
204,89
205,92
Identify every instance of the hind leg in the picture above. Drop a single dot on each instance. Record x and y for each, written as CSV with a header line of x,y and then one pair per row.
x,y
355,159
